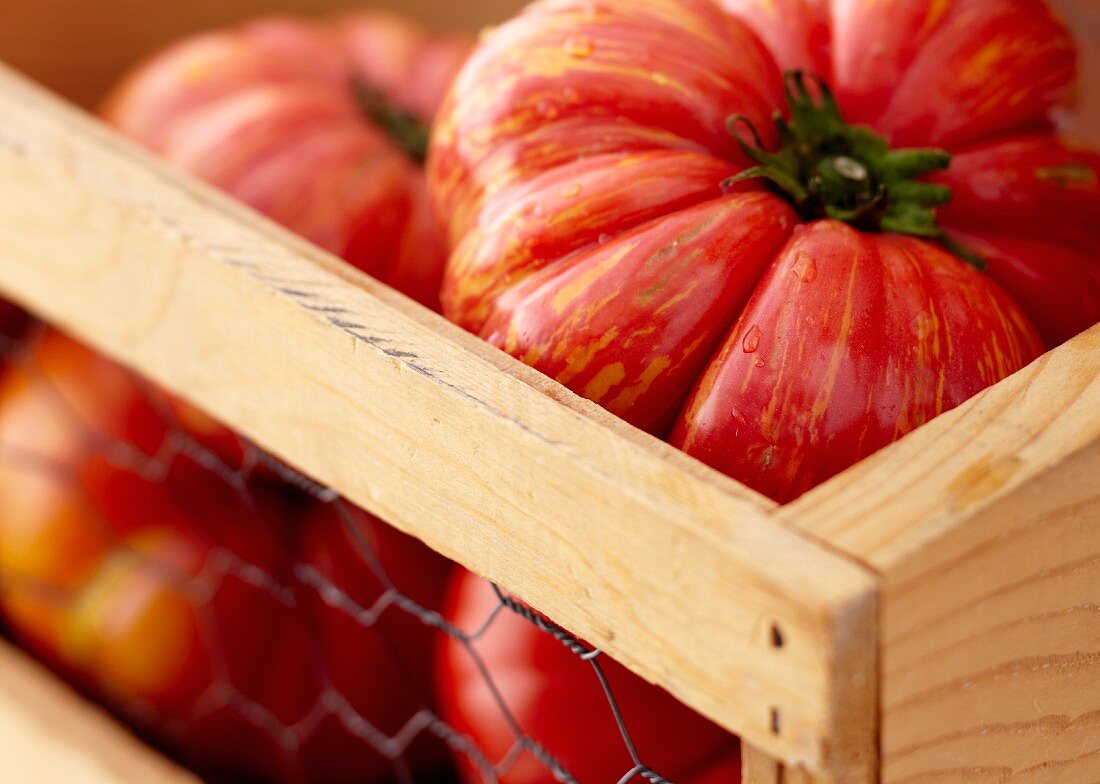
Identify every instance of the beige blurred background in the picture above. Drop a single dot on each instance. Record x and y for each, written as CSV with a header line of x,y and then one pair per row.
x,y
79,47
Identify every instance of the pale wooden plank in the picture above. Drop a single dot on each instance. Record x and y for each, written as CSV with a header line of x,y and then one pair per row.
x,y
986,527
671,568
759,768
50,735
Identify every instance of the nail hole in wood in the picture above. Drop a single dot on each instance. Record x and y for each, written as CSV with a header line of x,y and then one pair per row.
x,y
777,636
776,725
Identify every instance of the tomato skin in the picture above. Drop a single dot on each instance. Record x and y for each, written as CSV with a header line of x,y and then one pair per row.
x,y
12,319
557,700
269,113
662,315
381,671
182,602
550,162
850,341
509,118
951,74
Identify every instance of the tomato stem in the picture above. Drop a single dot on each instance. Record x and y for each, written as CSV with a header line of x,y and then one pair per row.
x,y
408,131
829,169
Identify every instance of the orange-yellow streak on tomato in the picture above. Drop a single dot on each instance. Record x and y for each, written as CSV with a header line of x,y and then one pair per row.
x,y
608,377
533,224
629,396
842,349
581,357
937,10
572,173
581,285
825,370
640,301
540,80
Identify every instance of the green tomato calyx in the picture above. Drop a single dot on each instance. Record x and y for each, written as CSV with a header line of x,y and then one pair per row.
x,y
406,130
828,168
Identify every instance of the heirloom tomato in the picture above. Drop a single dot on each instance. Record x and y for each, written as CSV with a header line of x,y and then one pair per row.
x,y
13,322
757,227
321,126
201,612
533,682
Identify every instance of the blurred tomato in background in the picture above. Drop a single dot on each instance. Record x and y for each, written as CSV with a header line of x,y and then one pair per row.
x,y
556,699
320,126
10,318
366,591
180,599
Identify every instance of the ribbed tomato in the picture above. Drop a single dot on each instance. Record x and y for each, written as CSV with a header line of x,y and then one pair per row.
x,y
320,126
216,620
358,577
556,699
645,208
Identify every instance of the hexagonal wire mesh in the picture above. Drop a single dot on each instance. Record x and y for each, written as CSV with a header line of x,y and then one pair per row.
x,y
291,623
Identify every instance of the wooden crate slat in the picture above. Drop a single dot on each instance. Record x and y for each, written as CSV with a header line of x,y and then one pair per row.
x,y
757,767
986,528
669,567
50,735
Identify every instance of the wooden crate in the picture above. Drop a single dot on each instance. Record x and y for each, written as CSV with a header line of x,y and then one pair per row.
x,y
938,605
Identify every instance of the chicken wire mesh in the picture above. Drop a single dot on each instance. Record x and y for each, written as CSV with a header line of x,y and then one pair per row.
x,y
261,628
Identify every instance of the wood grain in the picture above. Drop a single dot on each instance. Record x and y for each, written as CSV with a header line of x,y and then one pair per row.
x,y
984,523
758,767
671,568
50,735
986,529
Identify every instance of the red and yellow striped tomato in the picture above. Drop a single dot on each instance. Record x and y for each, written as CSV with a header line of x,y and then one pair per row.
x,y
322,127
770,270
227,625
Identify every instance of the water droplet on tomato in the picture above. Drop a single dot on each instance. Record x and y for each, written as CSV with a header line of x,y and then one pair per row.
x,y
605,238
570,95
760,363
572,191
548,109
923,325
805,268
578,47
751,341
